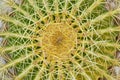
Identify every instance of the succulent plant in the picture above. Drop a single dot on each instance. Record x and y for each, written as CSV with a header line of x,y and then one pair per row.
x,y
59,40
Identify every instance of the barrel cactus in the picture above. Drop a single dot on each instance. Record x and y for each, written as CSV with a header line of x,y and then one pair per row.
x,y
59,40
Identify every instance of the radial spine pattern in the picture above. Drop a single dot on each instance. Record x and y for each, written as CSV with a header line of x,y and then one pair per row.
x,y
59,40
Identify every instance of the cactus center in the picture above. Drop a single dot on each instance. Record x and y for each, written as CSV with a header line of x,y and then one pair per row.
x,y
58,39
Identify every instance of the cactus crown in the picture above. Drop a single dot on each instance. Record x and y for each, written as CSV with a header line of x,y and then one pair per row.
x,y
59,40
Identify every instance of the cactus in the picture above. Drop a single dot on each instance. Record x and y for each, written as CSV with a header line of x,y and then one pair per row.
x,y
59,40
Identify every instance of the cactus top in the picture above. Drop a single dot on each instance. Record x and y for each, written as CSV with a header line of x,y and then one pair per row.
x,y
58,40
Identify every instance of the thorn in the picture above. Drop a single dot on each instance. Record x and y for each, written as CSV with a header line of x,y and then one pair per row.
x,y
4,42
117,19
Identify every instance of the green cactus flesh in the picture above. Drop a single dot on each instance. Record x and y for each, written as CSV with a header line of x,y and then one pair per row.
x,y
60,40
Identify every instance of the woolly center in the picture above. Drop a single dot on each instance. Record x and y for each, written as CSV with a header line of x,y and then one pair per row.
x,y
58,40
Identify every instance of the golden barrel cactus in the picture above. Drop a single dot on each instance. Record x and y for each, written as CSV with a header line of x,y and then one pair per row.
x,y
59,40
